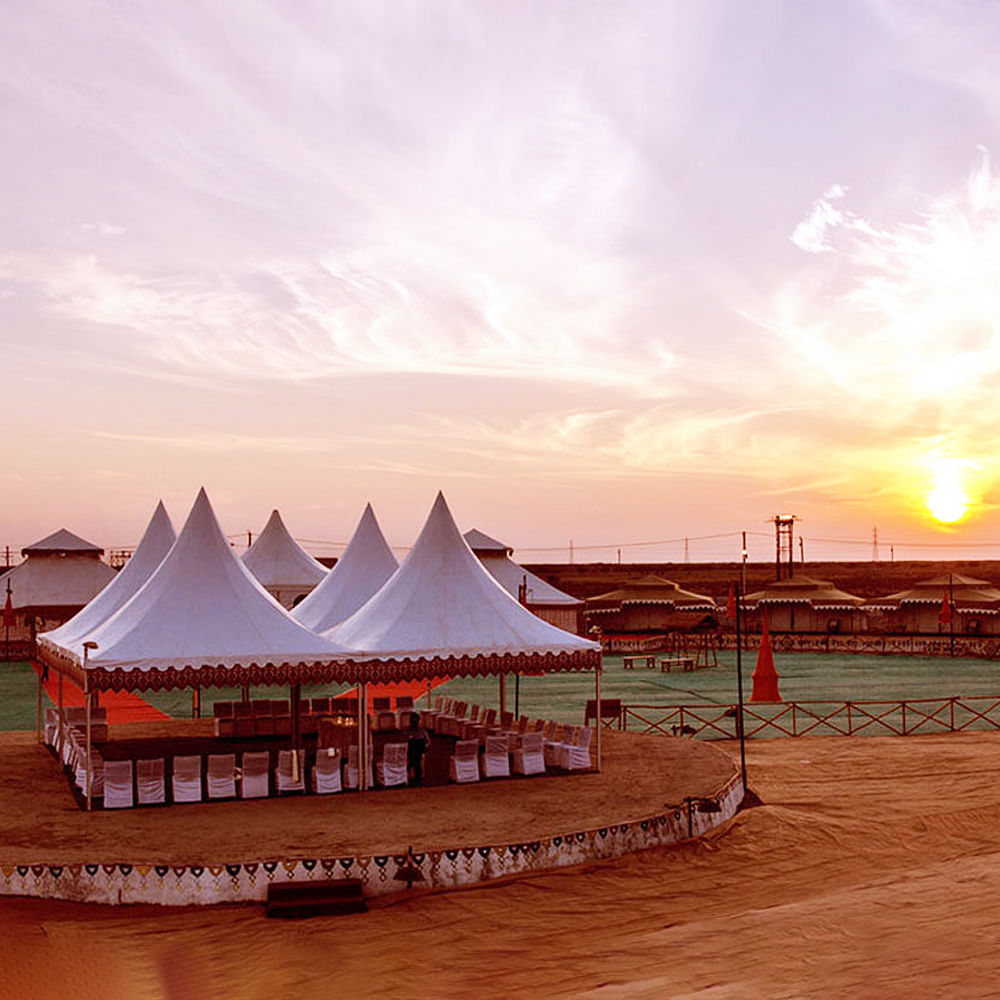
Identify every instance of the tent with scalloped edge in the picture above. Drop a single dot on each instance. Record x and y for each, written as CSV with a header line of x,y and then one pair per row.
x,y
367,563
285,570
201,619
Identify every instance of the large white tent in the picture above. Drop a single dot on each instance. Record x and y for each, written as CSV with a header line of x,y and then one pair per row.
x,y
201,619
365,566
281,565
155,543
443,614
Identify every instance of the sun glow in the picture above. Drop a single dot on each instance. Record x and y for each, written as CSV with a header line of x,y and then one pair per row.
x,y
948,500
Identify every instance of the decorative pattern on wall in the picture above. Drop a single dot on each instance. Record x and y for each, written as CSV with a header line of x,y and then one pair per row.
x,y
247,881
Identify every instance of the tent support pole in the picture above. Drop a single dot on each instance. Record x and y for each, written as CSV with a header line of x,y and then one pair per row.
x,y
503,693
60,693
196,702
363,748
38,721
86,701
597,695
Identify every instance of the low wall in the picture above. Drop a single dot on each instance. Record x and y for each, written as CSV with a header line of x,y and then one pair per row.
x,y
974,647
247,881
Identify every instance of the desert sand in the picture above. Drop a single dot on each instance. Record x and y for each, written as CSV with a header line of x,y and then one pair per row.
x,y
872,869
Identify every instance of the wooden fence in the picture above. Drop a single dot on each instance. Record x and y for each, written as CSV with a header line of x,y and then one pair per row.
x,y
909,717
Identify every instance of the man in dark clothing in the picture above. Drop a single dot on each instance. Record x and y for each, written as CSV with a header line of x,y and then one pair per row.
x,y
416,746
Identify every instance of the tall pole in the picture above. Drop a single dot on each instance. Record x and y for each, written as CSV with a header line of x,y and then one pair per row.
x,y
87,647
597,695
951,614
743,569
739,691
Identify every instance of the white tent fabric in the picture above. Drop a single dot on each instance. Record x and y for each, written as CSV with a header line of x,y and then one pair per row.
x,y
365,566
441,603
199,616
278,561
149,553
495,556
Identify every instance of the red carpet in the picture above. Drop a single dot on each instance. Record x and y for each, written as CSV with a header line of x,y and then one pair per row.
x,y
122,706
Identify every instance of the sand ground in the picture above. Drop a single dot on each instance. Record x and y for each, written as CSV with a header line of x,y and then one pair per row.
x,y
873,869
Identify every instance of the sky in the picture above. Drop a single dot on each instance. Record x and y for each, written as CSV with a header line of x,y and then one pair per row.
x,y
629,276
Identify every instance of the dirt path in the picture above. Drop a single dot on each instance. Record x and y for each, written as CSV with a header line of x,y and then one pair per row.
x,y
873,870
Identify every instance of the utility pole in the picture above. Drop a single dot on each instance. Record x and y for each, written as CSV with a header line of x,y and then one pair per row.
x,y
875,544
743,571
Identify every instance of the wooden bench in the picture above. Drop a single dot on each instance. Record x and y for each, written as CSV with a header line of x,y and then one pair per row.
x,y
629,662
667,663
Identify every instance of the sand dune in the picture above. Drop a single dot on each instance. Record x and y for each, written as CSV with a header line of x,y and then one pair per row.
x,y
872,870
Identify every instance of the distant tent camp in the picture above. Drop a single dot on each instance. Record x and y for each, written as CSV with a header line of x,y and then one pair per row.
x,y
59,575
650,604
973,607
285,570
367,563
548,602
803,604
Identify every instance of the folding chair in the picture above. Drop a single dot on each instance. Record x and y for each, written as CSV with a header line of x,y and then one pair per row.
x,y
495,759
282,709
118,792
263,718
225,721
352,771
243,718
320,706
254,781
326,777
284,778
150,782
463,766
529,757
185,779
222,776
391,769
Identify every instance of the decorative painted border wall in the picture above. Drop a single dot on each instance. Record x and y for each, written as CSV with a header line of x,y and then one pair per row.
x,y
984,648
246,882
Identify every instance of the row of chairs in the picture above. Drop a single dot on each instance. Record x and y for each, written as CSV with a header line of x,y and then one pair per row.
x,y
60,723
472,761
565,747
272,717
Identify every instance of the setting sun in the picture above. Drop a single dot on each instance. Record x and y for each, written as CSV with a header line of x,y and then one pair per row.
x,y
947,500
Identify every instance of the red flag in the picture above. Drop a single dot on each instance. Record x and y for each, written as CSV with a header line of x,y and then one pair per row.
x,y
731,603
944,615
765,677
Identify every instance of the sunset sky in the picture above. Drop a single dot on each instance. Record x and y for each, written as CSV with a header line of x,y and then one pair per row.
x,y
614,273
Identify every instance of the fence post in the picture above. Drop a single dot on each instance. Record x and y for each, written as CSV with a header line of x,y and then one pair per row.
x,y
952,707
681,730
794,730
850,731
904,718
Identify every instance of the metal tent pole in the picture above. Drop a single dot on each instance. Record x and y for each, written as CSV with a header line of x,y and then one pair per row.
x,y
597,694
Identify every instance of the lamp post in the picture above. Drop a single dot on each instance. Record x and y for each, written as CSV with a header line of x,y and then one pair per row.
x,y
739,691
87,647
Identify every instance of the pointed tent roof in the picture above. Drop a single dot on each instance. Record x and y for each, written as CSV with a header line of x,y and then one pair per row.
x,y
805,590
277,560
359,574
495,556
969,593
442,608
201,618
62,541
154,545
649,589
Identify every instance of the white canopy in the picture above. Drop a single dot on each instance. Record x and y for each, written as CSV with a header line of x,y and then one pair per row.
x,y
367,563
149,553
279,562
495,556
201,618
441,606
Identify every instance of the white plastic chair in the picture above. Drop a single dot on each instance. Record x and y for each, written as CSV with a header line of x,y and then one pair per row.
x,y
463,766
254,769
222,776
576,756
495,760
352,771
326,774
150,782
51,726
529,757
284,779
391,769
118,792
185,779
